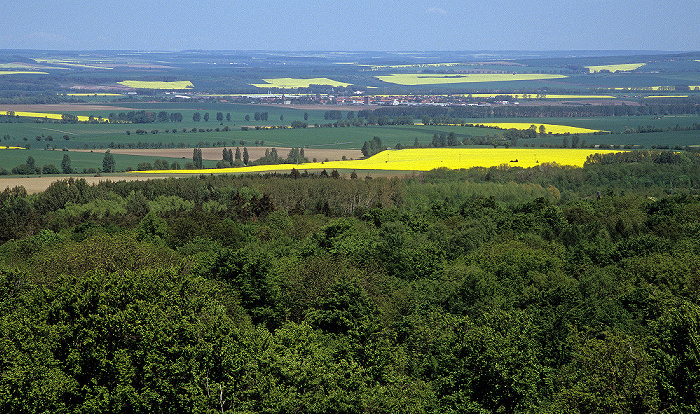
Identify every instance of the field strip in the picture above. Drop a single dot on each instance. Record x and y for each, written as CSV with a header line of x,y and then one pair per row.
x,y
157,84
426,159
413,79
624,67
295,83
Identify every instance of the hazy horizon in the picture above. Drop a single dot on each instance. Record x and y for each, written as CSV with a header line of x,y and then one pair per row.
x,y
448,25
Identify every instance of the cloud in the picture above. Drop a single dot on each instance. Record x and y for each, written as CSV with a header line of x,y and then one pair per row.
x,y
437,11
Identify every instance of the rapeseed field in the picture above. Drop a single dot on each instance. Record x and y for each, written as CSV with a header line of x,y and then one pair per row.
x,y
426,159
81,118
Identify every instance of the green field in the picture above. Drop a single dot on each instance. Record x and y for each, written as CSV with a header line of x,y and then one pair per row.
x,y
101,136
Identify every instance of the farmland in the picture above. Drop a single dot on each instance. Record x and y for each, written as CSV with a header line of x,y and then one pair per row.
x,y
615,68
177,85
554,129
490,246
428,159
413,79
340,102
21,72
292,83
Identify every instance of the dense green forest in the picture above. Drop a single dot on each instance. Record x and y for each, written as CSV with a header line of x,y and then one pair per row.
x,y
550,289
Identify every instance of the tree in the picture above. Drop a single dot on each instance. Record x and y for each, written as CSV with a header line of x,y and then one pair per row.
x,y
306,116
197,157
246,158
219,116
206,117
31,163
50,169
247,117
196,117
238,153
108,162
542,130
65,165
162,116
228,116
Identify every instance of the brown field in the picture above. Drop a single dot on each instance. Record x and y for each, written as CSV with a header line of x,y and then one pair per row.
x,y
254,153
38,184
68,107
35,185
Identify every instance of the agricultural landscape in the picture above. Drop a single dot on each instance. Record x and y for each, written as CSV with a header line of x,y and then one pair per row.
x,y
429,232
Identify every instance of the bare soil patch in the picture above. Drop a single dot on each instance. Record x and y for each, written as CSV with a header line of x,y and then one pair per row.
x,y
38,184
254,153
68,107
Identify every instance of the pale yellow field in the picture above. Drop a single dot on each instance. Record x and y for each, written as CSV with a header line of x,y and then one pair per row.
x,y
415,65
615,68
157,85
75,64
2,147
21,72
81,118
554,129
426,159
294,83
666,96
540,96
93,94
413,79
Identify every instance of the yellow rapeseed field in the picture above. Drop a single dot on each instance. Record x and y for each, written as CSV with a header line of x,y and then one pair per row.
x,y
81,118
554,129
426,159
615,68
157,84
413,79
295,83
3,147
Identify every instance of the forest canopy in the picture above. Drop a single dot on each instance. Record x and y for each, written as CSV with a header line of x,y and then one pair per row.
x,y
549,289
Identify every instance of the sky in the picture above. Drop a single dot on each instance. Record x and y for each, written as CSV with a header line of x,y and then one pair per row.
x,y
362,25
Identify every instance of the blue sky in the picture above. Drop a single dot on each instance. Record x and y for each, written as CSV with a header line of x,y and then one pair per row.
x,y
384,25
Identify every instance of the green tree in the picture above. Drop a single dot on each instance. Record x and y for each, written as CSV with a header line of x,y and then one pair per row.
x,y
196,117
197,157
206,117
65,165
219,116
108,162
246,157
